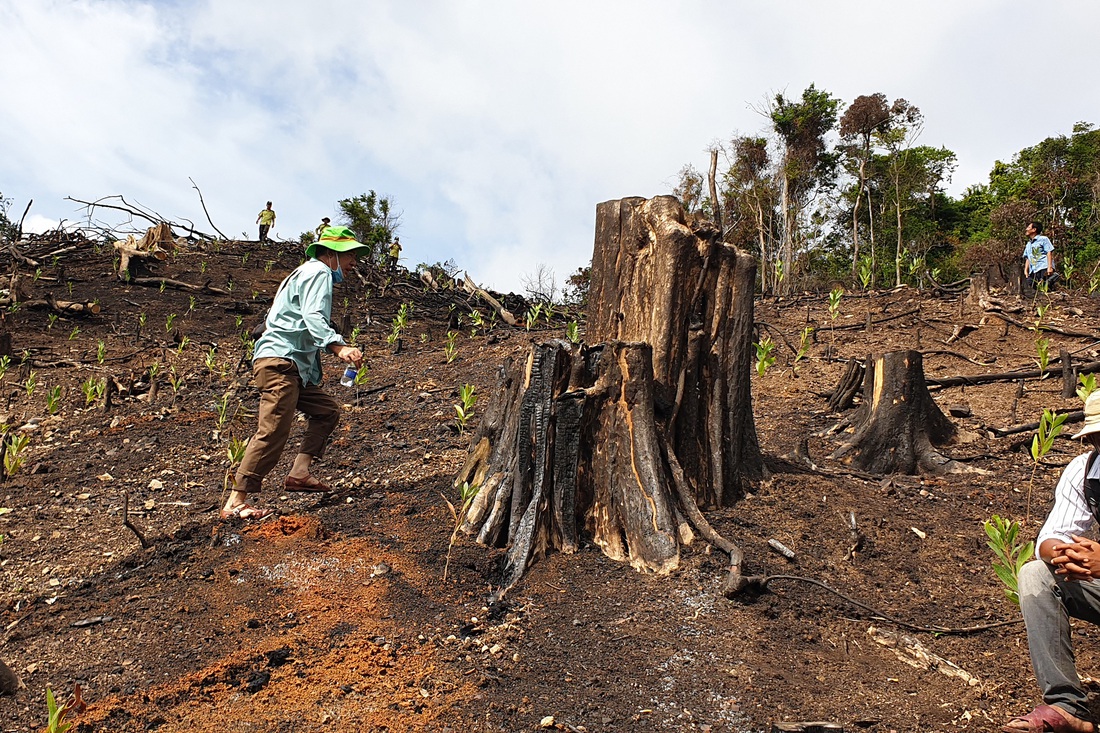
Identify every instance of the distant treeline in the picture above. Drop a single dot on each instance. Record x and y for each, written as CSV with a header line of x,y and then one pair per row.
x,y
827,194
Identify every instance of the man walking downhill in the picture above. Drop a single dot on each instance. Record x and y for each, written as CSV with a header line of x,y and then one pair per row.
x,y
266,220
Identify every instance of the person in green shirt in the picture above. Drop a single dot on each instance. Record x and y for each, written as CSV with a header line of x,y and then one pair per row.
x,y
287,368
266,220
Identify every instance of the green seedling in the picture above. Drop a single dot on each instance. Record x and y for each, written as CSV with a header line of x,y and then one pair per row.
x,y
1008,552
467,494
450,348
50,320
362,376
1068,271
866,271
244,258
211,359
834,302
476,319
56,722
573,332
249,345
191,304
780,273
532,317
764,356
184,342
347,302
5,364
30,383
142,318
13,453
70,284
1087,386
234,451
176,380
37,274
100,351
222,407
1040,314
237,322
467,395
1094,283
53,400
74,333
353,339
268,265
171,319
548,312
1050,427
1042,351
92,389
804,344
202,267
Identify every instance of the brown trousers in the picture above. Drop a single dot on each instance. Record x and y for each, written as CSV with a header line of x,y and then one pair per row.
x,y
281,394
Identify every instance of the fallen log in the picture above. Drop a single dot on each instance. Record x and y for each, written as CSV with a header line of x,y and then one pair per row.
x,y
1075,416
972,379
206,287
471,287
57,306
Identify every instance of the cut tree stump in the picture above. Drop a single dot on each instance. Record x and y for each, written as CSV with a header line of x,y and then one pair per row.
x,y
623,440
898,425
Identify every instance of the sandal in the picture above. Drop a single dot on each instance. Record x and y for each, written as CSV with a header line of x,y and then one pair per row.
x,y
307,484
246,512
1042,718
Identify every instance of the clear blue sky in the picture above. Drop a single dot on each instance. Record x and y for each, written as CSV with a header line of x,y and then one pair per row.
x,y
496,126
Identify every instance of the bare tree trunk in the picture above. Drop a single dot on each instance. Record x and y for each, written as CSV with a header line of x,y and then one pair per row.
x,y
714,193
623,439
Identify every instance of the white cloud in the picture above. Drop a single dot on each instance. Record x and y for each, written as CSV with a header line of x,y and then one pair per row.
x,y
496,126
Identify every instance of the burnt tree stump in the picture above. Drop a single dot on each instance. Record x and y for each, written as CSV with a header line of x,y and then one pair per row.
x,y
624,439
898,426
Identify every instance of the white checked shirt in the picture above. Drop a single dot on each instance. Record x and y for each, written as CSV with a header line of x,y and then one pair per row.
x,y
1070,514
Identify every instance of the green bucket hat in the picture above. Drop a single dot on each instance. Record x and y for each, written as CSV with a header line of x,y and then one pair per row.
x,y
338,239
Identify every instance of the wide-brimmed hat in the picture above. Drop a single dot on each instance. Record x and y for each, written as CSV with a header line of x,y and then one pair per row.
x,y
338,239
1092,415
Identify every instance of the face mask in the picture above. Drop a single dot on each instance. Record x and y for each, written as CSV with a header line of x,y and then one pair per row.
x,y
338,275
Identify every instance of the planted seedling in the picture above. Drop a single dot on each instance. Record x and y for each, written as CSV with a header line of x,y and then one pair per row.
x,y
573,332
1088,385
184,341
450,348
1042,351
191,304
169,321
50,320
13,453
803,344
1009,553
467,494
74,333
467,395
1050,426
5,364
234,451
268,265
30,383
53,400
211,359
92,389
764,356
532,317
866,271
100,351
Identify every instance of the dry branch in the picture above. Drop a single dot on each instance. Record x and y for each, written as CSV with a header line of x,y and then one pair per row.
x,y
472,288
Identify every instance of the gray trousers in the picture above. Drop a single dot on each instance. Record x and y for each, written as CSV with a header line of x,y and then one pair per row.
x,y
1047,602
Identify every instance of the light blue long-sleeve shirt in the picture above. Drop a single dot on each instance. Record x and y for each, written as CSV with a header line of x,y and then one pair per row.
x,y
297,325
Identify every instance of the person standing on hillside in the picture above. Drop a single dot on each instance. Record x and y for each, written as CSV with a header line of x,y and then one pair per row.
x,y
287,369
325,224
1063,581
1038,256
266,220
394,253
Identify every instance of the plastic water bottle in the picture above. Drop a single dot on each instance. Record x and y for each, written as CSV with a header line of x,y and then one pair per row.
x,y
348,380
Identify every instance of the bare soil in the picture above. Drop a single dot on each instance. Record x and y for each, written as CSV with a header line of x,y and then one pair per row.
x,y
335,616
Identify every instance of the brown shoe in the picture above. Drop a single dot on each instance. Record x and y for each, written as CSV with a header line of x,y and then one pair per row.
x,y
307,484
246,512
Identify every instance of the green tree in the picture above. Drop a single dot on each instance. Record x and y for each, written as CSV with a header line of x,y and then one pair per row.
x,y
373,219
689,189
807,166
749,198
868,114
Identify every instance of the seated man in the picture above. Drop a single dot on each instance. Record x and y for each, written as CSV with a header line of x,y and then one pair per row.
x,y
1064,581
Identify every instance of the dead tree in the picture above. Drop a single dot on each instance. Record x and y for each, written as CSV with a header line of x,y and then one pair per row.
x,y
623,439
898,425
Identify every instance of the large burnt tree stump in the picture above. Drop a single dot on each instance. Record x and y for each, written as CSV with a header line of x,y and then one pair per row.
x,y
623,440
898,426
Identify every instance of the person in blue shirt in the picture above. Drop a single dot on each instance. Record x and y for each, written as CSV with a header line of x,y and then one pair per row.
x,y
287,368
1038,256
